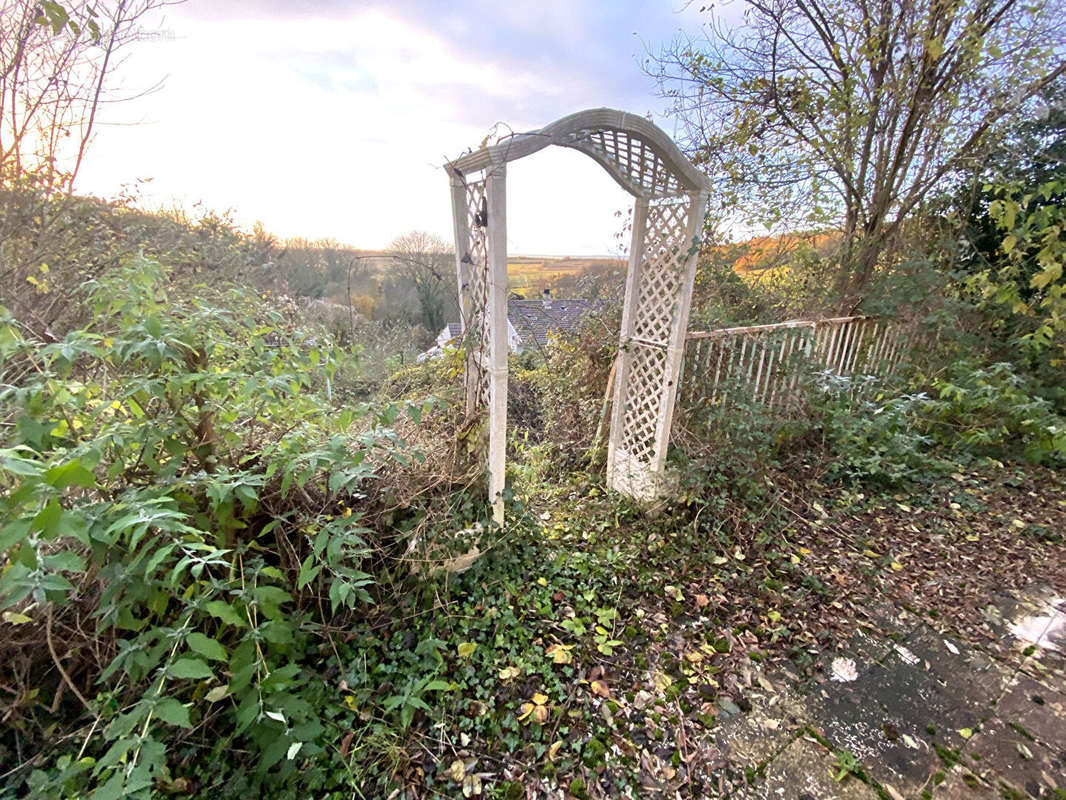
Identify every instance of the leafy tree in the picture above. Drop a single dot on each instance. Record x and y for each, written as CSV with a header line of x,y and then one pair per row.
x,y
1029,154
56,64
1012,215
845,114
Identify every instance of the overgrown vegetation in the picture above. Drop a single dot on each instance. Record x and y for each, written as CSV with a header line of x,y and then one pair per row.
x,y
178,523
244,547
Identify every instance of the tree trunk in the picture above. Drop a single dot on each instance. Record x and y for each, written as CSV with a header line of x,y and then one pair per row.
x,y
856,273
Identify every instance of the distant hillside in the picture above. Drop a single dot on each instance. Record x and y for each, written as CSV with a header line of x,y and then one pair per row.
x,y
763,253
328,269
565,276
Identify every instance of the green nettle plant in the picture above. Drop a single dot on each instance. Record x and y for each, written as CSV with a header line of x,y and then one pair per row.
x,y
171,473
968,413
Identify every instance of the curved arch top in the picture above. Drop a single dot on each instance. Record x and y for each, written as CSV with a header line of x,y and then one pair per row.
x,y
635,152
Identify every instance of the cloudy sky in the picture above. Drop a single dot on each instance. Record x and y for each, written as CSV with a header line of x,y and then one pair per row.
x,y
332,119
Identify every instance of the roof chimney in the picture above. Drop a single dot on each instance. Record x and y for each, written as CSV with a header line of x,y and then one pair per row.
x,y
546,297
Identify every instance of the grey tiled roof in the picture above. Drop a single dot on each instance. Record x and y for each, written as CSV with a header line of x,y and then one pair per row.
x,y
533,321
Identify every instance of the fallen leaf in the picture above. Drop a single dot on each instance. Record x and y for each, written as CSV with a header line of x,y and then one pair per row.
x,y
457,771
641,700
908,657
346,744
471,785
843,670
660,681
560,653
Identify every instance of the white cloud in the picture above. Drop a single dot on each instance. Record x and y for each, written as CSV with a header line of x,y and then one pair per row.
x,y
337,126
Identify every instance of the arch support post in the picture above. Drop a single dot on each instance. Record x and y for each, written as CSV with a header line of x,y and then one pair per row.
x,y
662,270
463,260
496,205
625,348
675,351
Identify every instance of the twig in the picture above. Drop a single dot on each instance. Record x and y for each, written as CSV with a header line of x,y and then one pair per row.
x,y
684,742
606,402
85,744
59,665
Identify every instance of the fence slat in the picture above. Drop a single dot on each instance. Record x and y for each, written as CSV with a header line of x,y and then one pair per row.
x,y
763,362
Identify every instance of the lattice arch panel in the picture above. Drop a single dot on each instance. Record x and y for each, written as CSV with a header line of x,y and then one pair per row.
x,y
474,294
671,195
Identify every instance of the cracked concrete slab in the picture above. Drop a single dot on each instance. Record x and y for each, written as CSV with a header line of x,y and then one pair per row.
x,y
971,676
1035,709
751,739
805,770
1001,755
1025,623
919,713
861,718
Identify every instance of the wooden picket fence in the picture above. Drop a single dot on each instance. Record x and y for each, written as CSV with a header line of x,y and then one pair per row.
x,y
765,363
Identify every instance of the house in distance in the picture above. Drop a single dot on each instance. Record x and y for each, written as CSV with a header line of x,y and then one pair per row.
x,y
530,323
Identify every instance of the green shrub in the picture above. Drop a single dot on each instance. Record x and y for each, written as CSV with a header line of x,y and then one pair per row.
x,y
875,441
996,412
177,492
969,412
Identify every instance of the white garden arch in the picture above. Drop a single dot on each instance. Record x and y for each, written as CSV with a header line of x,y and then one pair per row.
x,y
671,196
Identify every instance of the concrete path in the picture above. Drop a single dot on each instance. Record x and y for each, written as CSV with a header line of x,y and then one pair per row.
x,y
906,710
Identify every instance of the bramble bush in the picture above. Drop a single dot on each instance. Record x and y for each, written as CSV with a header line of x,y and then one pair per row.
x,y
967,413
179,529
